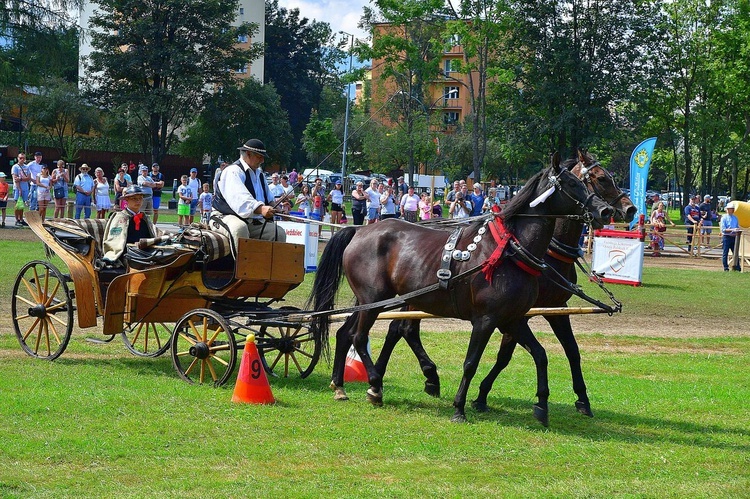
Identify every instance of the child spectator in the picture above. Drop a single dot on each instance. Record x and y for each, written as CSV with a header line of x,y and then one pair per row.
x,y
183,205
205,200
3,197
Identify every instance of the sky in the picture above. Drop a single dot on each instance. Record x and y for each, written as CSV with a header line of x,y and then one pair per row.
x,y
341,15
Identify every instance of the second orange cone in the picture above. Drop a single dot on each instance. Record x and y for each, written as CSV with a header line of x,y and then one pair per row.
x,y
252,384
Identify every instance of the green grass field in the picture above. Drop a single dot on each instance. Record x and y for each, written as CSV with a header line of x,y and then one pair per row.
x,y
670,416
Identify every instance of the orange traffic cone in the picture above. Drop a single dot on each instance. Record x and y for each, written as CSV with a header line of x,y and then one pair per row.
x,y
252,384
354,369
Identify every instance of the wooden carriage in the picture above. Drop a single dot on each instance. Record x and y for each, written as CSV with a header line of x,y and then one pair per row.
x,y
194,298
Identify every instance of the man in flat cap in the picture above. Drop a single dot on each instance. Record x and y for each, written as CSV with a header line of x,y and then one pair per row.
x,y
242,204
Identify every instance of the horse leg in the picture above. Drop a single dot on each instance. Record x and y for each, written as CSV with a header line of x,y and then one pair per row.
x,y
343,342
409,331
480,335
564,332
504,354
364,323
524,336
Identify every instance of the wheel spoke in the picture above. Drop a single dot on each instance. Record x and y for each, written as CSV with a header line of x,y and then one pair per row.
x,y
28,331
54,331
57,306
219,360
27,302
36,281
213,371
192,364
62,322
32,291
51,296
188,338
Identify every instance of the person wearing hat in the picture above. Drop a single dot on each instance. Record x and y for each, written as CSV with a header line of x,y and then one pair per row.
x,y
730,227
84,186
692,218
195,187
3,197
706,214
158,180
127,226
35,168
336,198
242,206
21,179
146,184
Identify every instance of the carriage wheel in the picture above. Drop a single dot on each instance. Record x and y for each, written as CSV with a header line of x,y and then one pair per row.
x,y
203,347
147,339
42,310
288,348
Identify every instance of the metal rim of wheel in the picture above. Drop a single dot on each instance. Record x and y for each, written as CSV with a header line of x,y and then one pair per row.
x,y
147,339
42,310
203,347
288,347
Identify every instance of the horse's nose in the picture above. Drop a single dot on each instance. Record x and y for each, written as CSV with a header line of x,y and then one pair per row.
x,y
606,214
629,214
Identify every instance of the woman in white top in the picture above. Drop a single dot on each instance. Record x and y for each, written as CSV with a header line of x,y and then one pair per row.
x,y
101,187
409,205
43,184
388,204
60,178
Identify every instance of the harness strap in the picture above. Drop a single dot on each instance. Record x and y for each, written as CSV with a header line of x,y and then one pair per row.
x,y
444,272
526,261
501,236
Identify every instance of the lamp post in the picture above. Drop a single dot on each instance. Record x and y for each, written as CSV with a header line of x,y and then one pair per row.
x,y
346,114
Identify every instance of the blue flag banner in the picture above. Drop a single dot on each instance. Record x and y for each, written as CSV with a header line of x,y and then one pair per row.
x,y
640,161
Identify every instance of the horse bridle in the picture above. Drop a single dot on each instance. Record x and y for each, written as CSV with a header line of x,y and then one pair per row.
x,y
585,172
587,215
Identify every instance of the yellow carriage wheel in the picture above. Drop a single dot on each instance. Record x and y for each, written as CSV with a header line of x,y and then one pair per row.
x,y
42,310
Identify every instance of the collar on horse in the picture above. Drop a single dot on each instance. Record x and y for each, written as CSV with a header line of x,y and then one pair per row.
x,y
521,257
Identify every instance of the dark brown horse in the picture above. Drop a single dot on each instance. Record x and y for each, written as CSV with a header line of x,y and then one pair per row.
x,y
560,258
396,258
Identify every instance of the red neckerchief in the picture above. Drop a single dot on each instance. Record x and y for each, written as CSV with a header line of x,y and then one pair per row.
x,y
501,236
137,220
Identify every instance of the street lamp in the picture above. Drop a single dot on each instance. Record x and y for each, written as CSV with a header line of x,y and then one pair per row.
x,y
346,114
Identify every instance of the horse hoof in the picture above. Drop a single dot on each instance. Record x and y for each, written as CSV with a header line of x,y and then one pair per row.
x,y
375,397
584,408
338,392
480,406
541,415
432,389
458,418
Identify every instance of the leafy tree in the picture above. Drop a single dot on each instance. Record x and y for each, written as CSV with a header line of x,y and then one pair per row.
x,y
409,48
300,62
61,113
320,141
177,54
235,115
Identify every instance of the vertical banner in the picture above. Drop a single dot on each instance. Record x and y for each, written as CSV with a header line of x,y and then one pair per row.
x,y
640,160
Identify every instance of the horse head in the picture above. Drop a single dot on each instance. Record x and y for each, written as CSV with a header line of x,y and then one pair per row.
x,y
600,182
572,194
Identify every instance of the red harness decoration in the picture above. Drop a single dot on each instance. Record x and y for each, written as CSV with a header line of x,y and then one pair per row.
x,y
501,236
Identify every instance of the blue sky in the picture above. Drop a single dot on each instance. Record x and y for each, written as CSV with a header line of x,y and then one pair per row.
x,y
341,15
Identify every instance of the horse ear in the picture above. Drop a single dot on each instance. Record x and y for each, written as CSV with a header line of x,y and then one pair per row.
x,y
581,157
556,161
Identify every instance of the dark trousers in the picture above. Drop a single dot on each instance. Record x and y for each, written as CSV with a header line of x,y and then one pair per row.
x,y
358,215
727,243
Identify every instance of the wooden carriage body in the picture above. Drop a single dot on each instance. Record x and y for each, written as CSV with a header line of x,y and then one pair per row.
x,y
163,293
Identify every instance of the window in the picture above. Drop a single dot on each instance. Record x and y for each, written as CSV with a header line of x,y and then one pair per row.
x,y
242,69
242,39
242,11
449,93
450,118
449,66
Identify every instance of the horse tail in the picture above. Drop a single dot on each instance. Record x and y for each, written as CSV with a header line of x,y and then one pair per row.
x,y
326,285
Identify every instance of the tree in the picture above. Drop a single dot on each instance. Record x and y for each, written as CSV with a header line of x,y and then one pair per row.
x,y
177,53
61,113
479,28
320,141
409,48
235,115
300,62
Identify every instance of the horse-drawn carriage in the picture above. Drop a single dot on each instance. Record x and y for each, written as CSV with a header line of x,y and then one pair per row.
x,y
194,299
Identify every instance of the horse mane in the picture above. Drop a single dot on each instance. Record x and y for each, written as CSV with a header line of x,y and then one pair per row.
x,y
523,198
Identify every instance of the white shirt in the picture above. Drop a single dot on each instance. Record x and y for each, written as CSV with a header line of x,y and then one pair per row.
x,y
35,169
196,186
276,189
232,187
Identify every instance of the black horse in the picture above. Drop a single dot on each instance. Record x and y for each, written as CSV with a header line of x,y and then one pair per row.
x,y
394,258
560,258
